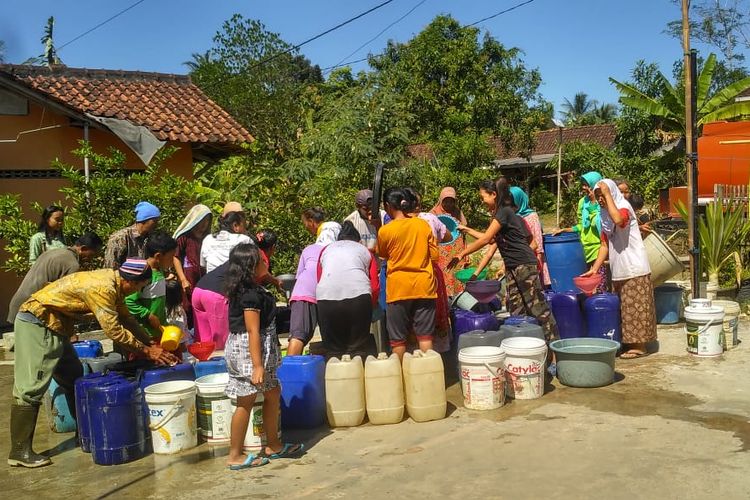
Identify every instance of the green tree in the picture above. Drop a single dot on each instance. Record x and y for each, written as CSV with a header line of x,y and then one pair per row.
x,y
579,109
669,108
258,78
2,51
453,83
49,57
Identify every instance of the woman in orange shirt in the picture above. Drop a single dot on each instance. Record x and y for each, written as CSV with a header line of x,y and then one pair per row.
x,y
409,247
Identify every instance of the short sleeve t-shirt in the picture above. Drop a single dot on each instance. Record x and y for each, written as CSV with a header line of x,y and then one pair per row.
x,y
252,299
215,249
409,247
513,239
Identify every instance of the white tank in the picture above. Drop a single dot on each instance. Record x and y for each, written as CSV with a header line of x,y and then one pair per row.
x,y
425,386
345,391
384,388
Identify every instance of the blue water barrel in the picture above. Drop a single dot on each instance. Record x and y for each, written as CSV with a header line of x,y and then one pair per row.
x,y
303,394
520,320
602,312
117,422
213,365
82,386
88,348
566,308
668,302
467,321
565,260
181,371
57,406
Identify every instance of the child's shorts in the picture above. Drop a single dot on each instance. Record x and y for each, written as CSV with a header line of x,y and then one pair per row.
x,y
411,315
240,365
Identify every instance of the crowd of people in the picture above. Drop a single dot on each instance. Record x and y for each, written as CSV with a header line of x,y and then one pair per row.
x,y
389,270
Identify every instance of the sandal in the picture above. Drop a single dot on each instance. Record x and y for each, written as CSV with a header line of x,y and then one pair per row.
x,y
633,354
289,450
248,463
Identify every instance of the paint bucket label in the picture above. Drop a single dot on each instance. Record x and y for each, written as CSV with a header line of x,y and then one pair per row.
x,y
704,339
482,389
525,377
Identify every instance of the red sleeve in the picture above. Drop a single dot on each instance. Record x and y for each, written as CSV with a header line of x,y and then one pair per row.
x,y
374,278
625,214
604,238
320,267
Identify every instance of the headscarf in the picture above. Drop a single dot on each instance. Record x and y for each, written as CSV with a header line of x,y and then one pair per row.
x,y
608,225
521,201
448,192
589,207
192,219
145,211
328,232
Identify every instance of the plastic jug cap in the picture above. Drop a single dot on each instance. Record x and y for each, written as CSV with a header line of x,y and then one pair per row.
x,y
382,355
346,357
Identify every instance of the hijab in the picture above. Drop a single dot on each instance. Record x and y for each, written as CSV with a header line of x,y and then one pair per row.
x,y
192,219
448,192
521,201
589,208
608,225
328,232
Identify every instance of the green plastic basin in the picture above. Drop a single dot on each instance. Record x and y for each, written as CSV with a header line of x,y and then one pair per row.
x,y
585,362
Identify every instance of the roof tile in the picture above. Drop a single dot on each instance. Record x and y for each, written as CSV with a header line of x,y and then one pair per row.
x,y
171,106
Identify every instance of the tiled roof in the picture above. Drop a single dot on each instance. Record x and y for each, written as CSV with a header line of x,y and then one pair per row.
x,y
545,141
171,106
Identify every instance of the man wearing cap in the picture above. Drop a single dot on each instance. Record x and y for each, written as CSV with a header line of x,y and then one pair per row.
x,y
43,327
131,241
361,218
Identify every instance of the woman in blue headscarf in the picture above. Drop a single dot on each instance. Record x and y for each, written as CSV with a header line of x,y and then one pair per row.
x,y
589,225
534,225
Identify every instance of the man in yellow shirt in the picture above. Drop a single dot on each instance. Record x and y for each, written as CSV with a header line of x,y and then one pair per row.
x,y
43,327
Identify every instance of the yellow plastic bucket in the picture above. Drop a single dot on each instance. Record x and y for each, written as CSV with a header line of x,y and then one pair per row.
x,y
170,337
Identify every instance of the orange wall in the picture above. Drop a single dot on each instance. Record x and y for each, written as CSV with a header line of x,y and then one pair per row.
x,y
723,163
36,151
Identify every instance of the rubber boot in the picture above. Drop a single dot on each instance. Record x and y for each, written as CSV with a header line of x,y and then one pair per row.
x,y
22,425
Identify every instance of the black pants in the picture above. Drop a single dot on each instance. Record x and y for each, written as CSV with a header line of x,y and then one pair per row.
x,y
345,326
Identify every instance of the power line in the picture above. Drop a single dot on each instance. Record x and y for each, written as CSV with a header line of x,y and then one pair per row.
x,y
472,24
123,11
368,42
295,47
501,12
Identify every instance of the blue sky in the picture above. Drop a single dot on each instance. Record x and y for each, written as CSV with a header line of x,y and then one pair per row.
x,y
576,44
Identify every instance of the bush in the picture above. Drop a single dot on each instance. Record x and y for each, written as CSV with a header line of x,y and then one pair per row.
x,y
542,200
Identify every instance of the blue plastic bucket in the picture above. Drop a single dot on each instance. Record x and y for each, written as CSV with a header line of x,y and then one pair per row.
x,y
452,225
668,302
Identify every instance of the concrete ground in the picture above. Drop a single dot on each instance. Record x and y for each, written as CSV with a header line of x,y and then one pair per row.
x,y
672,426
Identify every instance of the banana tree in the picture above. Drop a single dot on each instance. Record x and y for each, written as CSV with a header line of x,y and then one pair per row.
x,y
670,107
722,229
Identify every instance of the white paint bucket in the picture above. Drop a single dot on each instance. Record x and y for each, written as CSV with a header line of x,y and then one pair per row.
x,y
482,377
524,367
731,322
214,407
172,416
704,326
255,437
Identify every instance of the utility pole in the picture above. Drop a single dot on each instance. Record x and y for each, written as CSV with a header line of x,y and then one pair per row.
x,y
689,69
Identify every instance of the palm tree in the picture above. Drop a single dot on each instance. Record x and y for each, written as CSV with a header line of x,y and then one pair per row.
x,y
198,60
606,113
670,107
576,111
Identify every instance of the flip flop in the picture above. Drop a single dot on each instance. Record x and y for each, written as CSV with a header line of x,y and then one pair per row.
x,y
289,450
248,463
633,354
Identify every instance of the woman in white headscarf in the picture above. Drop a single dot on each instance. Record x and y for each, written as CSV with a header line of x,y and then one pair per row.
x,y
189,235
631,273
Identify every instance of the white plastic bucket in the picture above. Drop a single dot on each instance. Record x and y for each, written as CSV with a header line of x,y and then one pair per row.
x,y
731,322
704,326
172,416
214,407
661,259
482,377
524,367
255,437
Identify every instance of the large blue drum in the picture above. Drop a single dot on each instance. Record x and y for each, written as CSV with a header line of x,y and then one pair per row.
x,y
566,308
565,260
303,393
603,316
